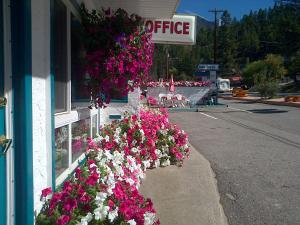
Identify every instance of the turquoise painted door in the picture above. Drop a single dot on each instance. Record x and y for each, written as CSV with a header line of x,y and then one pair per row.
x,y
2,127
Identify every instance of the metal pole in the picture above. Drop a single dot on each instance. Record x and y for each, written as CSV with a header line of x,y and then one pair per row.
x,y
215,39
167,65
215,11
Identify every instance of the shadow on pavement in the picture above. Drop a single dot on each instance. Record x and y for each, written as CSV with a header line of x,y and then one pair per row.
x,y
267,111
247,102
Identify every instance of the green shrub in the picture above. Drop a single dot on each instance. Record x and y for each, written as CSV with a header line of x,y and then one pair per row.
x,y
267,89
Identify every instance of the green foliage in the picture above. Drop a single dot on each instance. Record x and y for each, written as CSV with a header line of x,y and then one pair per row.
x,y
265,75
267,89
275,70
294,67
227,45
252,71
173,71
271,69
182,76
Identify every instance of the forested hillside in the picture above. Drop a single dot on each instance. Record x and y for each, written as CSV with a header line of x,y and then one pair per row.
x,y
267,31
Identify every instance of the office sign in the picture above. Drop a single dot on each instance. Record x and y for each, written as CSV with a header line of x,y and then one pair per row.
x,y
181,29
210,67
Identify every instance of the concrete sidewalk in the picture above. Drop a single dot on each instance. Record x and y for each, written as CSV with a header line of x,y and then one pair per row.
x,y
185,195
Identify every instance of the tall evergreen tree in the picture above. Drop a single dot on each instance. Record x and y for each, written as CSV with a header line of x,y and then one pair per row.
x,y
227,45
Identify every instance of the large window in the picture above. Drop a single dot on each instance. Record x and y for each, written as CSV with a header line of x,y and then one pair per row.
x,y
71,139
80,134
80,89
73,125
117,96
60,57
62,149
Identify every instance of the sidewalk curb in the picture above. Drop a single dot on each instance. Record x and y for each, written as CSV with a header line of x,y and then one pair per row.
x,y
291,104
215,184
187,195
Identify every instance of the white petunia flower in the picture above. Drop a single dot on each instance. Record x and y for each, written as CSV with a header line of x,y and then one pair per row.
x,y
99,156
158,153
89,217
106,138
131,222
110,190
108,155
118,130
110,179
99,138
157,163
101,212
117,139
146,163
119,171
118,157
130,181
85,220
149,218
93,165
171,138
164,132
166,163
113,214
100,197
134,150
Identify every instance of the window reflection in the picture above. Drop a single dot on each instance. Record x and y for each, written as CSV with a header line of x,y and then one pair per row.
x,y
62,149
80,134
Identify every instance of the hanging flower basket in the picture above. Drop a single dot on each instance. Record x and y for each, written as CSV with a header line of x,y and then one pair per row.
x,y
119,52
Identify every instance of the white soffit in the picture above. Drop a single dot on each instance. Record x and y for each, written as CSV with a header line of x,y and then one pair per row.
x,y
144,8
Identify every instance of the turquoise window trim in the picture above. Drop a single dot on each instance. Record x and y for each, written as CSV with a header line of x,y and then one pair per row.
x,y
121,100
74,81
52,93
114,117
72,173
22,104
3,190
2,51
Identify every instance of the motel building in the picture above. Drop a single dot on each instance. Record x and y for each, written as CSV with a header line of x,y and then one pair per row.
x,y
42,111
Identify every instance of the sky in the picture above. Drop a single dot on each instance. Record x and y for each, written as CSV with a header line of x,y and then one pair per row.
x,y
237,8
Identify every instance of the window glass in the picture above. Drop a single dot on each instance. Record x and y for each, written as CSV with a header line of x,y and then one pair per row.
x,y
94,126
117,96
80,90
62,149
60,56
80,133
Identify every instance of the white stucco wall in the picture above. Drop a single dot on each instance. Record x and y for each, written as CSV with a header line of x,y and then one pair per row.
x,y
41,100
41,107
119,108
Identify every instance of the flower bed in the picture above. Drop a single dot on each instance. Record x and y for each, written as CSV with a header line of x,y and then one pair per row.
x,y
179,84
151,101
104,190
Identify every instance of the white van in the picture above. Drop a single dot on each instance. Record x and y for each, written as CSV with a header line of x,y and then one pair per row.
x,y
223,85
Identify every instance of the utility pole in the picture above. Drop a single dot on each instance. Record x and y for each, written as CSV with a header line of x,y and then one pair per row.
x,y
215,11
167,72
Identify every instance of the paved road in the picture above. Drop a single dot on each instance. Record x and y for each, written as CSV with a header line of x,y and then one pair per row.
x,y
254,150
